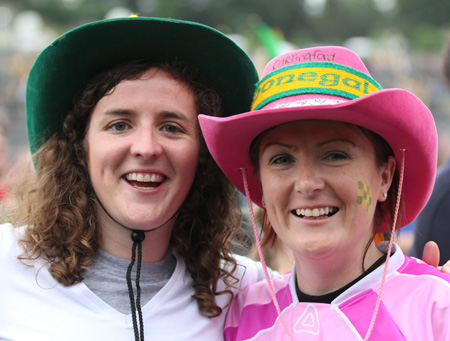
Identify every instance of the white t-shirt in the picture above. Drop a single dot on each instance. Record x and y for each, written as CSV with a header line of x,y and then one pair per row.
x,y
33,306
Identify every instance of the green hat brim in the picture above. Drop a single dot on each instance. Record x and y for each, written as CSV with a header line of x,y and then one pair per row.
x,y
61,70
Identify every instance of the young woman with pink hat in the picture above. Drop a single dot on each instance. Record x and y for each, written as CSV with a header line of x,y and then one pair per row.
x,y
334,160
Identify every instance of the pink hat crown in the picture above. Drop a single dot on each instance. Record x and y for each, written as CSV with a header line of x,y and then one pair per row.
x,y
313,76
329,83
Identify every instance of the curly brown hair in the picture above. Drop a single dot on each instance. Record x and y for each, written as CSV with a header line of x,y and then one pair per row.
x,y
59,206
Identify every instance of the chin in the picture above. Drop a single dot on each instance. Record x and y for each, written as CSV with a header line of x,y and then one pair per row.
x,y
316,249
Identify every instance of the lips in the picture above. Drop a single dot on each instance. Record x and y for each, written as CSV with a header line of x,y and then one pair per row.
x,y
319,212
145,180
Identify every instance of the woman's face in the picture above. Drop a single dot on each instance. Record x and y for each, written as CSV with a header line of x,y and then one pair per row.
x,y
321,185
143,149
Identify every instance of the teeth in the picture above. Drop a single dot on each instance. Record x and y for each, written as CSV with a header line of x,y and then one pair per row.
x,y
140,177
315,212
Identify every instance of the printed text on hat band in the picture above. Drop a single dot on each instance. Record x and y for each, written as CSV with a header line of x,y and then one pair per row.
x,y
313,78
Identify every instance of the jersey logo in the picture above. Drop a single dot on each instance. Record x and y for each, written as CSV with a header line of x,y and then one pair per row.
x,y
309,321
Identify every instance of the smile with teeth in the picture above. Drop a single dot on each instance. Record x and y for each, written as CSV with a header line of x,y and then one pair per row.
x,y
315,212
145,180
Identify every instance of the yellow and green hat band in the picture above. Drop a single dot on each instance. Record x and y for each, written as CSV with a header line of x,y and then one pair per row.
x,y
313,78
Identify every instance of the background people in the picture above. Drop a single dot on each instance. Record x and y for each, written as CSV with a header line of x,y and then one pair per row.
x,y
433,223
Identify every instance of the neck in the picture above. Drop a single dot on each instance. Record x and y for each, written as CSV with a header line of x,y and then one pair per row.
x,y
322,275
116,240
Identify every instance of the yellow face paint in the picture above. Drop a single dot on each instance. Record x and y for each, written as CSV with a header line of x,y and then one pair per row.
x,y
364,196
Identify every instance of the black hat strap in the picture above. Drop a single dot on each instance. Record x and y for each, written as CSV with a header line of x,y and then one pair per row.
x,y
137,236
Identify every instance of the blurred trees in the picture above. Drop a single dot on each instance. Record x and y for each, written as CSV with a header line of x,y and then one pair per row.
x,y
422,22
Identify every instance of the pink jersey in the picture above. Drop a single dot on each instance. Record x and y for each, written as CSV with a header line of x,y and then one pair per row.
x,y
415,306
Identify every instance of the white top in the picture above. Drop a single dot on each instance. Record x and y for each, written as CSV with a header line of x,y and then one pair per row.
x,y
33,306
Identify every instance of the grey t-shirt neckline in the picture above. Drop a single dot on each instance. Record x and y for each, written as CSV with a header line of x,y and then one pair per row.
x,y
106,278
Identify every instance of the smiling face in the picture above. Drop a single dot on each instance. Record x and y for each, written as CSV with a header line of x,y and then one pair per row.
x,y
142,150
321,184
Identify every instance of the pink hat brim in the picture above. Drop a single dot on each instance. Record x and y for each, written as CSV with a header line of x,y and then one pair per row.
x,y
395,114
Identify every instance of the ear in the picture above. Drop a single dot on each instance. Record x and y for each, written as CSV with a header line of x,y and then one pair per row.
x,y
387,174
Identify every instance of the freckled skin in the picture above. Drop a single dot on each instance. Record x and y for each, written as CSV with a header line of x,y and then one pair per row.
x,y
316,164
146,126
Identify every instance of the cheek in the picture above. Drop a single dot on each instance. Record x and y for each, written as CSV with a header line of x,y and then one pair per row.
x,y
364,196
270,186
276,197
188,159
88,154
92,167
97,158
365,208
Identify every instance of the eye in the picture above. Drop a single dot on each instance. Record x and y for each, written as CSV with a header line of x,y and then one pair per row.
x,y
119,126
172,129
281,160
336,156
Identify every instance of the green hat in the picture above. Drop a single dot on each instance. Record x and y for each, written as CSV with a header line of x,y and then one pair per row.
x,y
61,70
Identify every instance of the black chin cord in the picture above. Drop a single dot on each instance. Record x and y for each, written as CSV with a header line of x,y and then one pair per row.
x,y
137,237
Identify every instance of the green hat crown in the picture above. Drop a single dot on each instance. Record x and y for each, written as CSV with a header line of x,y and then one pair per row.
x,y
61,70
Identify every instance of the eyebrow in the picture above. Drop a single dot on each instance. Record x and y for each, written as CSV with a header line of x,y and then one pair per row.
x,y
173,114
113,112
288,146
339,139
321,144
164,114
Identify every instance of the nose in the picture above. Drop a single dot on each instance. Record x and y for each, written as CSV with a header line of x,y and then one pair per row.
x,y
146,144
309,181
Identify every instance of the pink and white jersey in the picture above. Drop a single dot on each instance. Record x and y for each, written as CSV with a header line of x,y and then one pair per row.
x,y
415,306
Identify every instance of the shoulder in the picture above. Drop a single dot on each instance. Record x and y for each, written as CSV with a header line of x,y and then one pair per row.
x,y
253,308
257,297
259,292
9,237
249,271
419,292
11,247
417,269
5,229
412,275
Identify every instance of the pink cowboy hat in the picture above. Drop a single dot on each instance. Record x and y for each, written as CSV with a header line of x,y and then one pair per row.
x,y
330,83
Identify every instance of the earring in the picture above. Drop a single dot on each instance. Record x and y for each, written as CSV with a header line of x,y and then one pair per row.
x,y
385,194
264,203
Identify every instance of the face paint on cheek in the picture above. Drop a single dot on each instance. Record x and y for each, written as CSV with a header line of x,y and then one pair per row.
x,y
364,196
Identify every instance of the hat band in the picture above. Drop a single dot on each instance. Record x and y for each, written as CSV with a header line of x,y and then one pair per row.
x,y
313,78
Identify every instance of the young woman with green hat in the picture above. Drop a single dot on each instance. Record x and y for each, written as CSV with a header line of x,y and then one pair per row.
x,y
334,160
127,224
